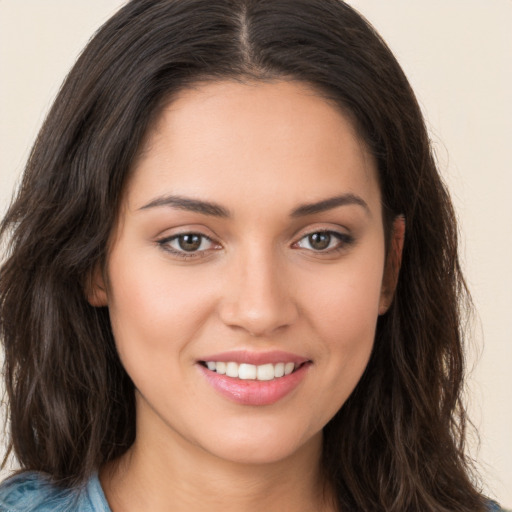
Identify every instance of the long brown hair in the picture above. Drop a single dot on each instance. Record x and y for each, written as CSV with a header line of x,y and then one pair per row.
x,y
397,444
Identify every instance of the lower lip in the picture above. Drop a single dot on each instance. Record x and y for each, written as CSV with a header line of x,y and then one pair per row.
x,y
255,392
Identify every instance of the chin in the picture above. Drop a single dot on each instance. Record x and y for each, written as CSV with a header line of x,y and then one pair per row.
x,y
264,446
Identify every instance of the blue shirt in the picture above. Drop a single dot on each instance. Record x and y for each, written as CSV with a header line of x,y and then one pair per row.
x,y
32,492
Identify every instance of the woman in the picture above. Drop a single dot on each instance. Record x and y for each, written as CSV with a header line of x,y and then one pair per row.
x,y
232,278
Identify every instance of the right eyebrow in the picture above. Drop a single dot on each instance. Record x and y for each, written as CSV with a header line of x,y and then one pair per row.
x,y
189,204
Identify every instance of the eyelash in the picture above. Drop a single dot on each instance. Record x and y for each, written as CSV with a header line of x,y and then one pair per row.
x,y
344,240
164,243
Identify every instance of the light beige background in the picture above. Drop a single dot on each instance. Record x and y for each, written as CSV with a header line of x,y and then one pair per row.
x,y
458,57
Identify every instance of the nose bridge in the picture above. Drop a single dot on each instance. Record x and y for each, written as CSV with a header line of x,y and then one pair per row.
x,y
259,296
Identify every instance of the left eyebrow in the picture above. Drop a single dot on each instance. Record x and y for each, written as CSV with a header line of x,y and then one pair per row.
x,y
329,204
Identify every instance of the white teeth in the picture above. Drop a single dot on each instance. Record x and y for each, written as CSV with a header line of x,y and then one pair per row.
x,y
246,371
288,368
265,372
279,370
232,369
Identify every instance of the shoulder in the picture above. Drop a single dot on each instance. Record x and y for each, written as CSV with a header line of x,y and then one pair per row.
x,y
33,492
492,506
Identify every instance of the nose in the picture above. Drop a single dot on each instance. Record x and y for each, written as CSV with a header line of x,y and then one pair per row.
x,y
258,295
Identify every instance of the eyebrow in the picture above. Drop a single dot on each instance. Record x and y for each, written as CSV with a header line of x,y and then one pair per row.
x,y
215,210
191,205
329,204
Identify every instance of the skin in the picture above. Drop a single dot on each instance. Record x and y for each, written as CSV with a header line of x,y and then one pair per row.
x,y
259,151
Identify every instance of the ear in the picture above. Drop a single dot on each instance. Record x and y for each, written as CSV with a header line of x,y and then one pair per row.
x,y
392,265
95,288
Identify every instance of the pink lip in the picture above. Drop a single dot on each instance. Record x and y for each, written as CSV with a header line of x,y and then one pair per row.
x,y
256,358
255,392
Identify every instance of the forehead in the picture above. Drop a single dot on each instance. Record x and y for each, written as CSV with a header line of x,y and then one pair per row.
x,y
273,139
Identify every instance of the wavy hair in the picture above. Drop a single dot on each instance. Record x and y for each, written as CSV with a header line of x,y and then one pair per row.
x,y
397,444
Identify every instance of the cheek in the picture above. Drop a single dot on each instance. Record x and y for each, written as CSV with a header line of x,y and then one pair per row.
x,y
344,317
153,309
345,299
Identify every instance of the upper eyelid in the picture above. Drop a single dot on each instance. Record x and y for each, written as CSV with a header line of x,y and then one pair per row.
x,y
170,238
180,231
336,230
165,238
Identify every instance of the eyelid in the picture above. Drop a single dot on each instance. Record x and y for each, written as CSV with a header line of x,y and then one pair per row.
x,y
164,243
344,240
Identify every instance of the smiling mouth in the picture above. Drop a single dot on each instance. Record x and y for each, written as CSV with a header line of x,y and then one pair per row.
x,y
245,371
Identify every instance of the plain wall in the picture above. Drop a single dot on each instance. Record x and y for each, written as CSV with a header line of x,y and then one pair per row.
x,y
458,57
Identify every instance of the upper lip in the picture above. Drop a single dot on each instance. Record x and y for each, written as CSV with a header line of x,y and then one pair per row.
x,y
256,358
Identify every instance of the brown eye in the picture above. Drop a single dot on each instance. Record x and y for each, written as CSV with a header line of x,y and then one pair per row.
x,y
325,241
189,242
319,241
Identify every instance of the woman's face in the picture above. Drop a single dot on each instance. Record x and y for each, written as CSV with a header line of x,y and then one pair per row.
x,y
250,244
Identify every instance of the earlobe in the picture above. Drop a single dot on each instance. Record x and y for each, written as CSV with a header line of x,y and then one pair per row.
x,y
95,289
393,263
